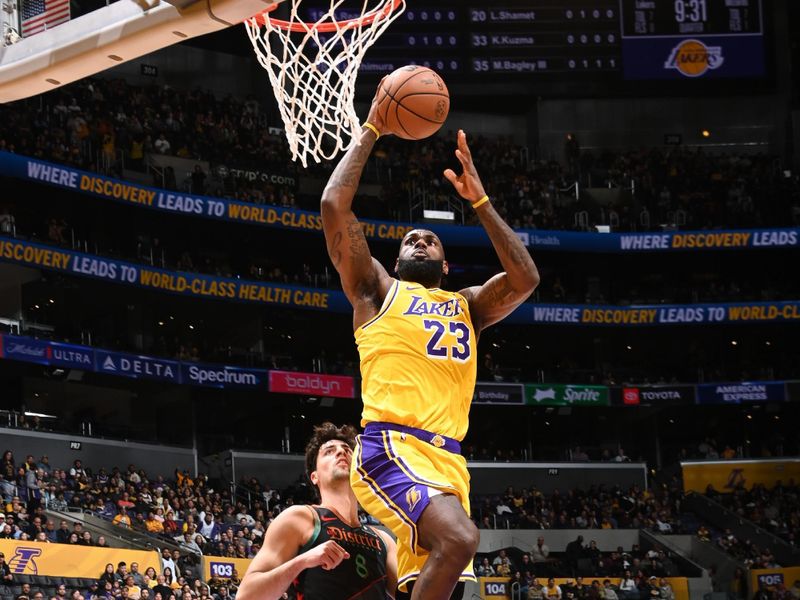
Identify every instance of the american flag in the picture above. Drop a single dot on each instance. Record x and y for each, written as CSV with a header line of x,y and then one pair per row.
x,y
40,15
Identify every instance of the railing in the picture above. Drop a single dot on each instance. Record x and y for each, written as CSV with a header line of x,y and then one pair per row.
x,y
688,566
573,189
722,517
138,539
421,199
244,494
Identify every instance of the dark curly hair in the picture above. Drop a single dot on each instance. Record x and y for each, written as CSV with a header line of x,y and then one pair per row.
x,y
325,433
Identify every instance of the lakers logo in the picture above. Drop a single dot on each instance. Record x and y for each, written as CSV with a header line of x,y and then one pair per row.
x,y
23,561
735,479
437,441
693,58
413,496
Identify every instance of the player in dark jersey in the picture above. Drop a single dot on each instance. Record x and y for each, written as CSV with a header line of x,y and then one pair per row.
x,y
323,552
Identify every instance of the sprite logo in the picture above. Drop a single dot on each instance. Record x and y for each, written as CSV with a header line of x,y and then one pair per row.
x,y
566,395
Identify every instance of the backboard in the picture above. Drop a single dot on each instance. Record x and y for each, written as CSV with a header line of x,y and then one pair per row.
x,y
106,37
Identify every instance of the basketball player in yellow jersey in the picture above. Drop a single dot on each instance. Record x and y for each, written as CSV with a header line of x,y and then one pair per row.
x,y
418,348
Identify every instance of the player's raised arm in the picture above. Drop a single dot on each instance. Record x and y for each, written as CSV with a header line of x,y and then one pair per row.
x,y
364,280
278,563
498,297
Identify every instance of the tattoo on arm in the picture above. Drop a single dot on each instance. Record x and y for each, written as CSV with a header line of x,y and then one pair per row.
x,y
501,292
516,251
510,250
358,242
334,251
510,245
348,173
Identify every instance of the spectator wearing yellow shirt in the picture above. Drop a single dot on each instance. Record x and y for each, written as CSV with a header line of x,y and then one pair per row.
x,y
552,591
122,519
150,577
152,524
504,568
189,525
134,591
704,534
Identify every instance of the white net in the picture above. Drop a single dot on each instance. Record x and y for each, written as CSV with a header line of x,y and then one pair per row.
x,y
312,67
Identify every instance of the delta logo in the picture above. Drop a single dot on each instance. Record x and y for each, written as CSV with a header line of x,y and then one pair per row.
x,y
692,58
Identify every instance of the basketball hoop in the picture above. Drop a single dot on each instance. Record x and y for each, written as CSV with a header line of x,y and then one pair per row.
x,y
313,66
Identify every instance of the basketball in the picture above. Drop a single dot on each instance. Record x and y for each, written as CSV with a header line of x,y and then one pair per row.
x,y
414,102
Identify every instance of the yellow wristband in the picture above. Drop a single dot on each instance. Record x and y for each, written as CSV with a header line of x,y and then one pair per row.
x,y
481,202
372,128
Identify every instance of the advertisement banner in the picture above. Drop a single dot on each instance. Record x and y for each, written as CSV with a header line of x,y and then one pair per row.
x,y
498,588
742,392
26,349
62,560
221,209
725,476
661,314
174,282
223,567
241,290
292,382
223,376
541,394
770,579
499,393
138,367
661,395
71,356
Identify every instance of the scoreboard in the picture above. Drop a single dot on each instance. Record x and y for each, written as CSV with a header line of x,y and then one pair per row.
x,y
521,39
578,40
692,39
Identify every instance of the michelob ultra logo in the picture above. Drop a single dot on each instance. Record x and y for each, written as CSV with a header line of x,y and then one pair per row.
x,y
693,58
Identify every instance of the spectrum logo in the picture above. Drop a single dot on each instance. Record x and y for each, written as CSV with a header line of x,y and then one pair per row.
x,y
22,562
693,58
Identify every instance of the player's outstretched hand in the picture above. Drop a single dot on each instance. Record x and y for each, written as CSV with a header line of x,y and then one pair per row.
x,y
468,184
328,556
375,117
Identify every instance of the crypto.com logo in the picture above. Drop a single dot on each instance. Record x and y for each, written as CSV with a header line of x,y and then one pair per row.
x,y
22,562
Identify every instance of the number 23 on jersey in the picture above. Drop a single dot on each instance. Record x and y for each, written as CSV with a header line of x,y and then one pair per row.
x,y
449,339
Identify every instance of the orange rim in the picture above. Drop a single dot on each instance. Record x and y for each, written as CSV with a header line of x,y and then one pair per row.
x,y
367,18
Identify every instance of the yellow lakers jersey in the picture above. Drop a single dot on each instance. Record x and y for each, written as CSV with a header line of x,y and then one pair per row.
x,y
418,360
